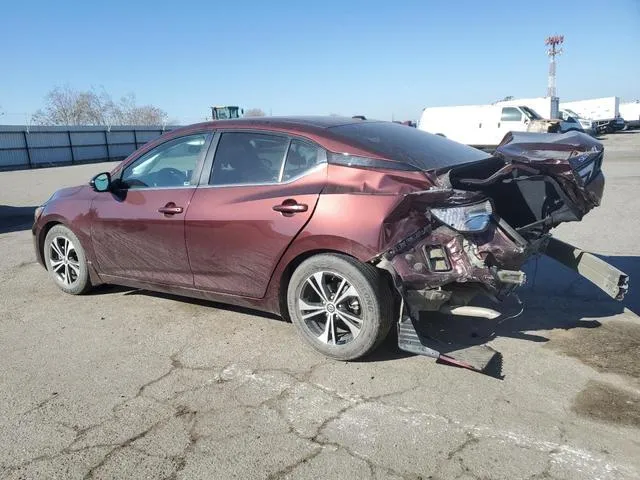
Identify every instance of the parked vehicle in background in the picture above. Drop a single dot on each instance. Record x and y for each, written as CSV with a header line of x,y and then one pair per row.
x,y
226,112
408,123
604,113
569,115
346,226
631,113
484,126
546,107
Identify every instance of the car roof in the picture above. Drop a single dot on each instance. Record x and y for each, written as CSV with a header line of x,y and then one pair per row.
x,y
311,123
316,128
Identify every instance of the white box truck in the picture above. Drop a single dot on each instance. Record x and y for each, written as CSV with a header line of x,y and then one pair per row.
x,y
631,113
604,113
483,126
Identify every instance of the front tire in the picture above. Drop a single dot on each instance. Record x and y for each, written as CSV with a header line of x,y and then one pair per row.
x,y
341,307
66,261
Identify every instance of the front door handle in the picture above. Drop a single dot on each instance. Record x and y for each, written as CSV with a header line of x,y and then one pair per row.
x,y
289,207
170,209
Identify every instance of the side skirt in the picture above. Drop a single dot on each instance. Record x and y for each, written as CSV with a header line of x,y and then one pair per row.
x,y
261,304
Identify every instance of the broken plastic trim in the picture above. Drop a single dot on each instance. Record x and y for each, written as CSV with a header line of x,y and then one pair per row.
x,y
479,358
608,278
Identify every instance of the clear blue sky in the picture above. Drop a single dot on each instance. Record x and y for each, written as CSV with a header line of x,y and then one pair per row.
x,y
376,58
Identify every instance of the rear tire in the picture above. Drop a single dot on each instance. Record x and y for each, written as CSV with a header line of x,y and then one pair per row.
x,y
66,261
341,307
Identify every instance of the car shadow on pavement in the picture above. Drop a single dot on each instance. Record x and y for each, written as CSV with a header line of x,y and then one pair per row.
x,y
553,298
14,219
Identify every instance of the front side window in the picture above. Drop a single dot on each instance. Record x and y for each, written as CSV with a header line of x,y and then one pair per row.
x,y
248,158
510,114
170,164
301,158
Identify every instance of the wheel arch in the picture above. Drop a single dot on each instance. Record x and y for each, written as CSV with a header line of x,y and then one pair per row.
x,y
290,267
42,235
287,271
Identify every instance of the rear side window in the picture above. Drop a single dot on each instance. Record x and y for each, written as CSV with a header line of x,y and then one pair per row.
x,y
415,148
301,158
510,114
248,158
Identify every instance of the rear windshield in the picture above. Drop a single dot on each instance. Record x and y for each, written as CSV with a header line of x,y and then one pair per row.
x,y
407,144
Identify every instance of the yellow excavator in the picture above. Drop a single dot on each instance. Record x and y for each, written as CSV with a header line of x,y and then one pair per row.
x,y
226,112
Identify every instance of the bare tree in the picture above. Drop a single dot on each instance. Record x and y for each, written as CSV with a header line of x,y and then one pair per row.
x,y
66,106
128,113
254,112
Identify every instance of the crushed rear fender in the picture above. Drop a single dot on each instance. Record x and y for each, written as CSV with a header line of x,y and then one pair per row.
x,y
533,182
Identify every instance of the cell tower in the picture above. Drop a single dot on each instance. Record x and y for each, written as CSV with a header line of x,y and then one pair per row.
x,y
553,43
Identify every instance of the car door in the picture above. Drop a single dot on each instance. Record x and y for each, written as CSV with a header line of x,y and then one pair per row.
x,y
511,120
138,228
259,193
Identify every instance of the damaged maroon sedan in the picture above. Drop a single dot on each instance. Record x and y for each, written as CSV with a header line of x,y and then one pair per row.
x,y
345,226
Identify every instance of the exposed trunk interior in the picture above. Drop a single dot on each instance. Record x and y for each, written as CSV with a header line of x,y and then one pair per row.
x,y
529,202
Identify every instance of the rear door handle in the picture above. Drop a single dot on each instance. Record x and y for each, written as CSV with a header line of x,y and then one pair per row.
x,y
289,207
170,209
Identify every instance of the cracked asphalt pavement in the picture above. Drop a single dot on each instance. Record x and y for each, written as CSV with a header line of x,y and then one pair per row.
x,y
130,384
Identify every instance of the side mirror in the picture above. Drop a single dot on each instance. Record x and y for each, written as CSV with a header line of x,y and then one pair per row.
x,y
101,182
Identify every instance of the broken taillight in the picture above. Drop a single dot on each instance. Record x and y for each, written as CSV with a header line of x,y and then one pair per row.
x,y
466,218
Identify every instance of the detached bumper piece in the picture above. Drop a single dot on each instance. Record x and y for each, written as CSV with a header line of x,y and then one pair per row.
x,y
479,358
608,278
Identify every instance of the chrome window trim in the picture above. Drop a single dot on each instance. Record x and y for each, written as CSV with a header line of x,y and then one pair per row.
x,y
146,189
318,167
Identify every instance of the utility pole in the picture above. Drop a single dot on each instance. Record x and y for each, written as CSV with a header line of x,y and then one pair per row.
x,y
553,50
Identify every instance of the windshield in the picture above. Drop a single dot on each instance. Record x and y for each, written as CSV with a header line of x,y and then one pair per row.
x,y
531,114
222,113
572,113
409,145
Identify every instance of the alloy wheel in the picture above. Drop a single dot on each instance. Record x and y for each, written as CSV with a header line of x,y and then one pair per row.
x,y
330,308
64,261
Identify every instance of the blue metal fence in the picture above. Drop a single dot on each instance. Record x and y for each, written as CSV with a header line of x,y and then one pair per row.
x,y
35,147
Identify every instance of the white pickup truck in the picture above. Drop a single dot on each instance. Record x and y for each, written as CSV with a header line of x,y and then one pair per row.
x,y
484,126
